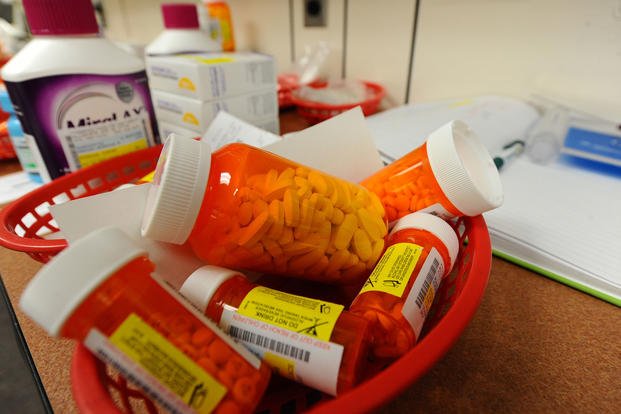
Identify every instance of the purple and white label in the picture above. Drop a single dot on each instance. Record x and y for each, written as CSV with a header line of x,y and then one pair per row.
x,y
79,120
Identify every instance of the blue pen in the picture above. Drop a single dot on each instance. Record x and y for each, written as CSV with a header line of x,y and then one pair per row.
x,y
509,151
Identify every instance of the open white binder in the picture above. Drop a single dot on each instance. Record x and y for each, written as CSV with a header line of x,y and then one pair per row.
x,y
558,220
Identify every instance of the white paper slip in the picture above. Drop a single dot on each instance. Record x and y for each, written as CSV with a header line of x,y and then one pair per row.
x,y
226,129
123,209
341,146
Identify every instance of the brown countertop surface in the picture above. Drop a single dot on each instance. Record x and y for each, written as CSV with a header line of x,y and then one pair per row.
x,y
534,345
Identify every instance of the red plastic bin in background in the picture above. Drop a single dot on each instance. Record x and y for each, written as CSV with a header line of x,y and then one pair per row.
x,y
315,112
93,382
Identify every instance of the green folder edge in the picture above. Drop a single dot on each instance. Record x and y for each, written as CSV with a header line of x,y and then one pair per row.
x,y
558,278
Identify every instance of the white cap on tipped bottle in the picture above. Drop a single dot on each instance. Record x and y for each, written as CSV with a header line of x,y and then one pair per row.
x,y
177,190
201,285
464,169
434,225
67,280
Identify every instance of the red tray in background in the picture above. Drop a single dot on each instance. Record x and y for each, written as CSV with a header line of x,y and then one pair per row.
x,y
315,112
98,390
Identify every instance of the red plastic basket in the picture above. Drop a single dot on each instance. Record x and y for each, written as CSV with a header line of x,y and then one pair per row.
x,y
97,389
287,83
25,222
315,112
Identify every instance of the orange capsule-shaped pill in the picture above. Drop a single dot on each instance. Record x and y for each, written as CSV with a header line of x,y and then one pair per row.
x,y
291,204
244,214
202,337
258,207
345,231
256,230
219,352
244,390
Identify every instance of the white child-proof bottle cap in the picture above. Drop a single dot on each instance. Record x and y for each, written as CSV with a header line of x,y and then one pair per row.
x,y
464,169
177,190
63,283
202,284
434,225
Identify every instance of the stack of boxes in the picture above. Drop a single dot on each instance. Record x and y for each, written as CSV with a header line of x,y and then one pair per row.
x,y
189,90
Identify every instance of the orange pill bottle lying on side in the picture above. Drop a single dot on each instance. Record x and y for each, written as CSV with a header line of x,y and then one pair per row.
x,y
310,341
396,298
101,291
450,175
245,208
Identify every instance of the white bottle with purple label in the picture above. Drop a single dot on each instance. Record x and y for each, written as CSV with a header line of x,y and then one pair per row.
x,y
182,32
80,98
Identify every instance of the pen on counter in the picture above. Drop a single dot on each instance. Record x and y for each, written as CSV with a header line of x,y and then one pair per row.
x,y
509,151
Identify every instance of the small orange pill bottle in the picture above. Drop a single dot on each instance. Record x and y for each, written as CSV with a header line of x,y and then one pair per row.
x,y
396,298
310,341
450,175
101,291
245,208
220,13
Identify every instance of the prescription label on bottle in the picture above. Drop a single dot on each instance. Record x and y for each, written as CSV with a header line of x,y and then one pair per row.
x,y
101,346
393,271
160,358
310,317
420,298
307,360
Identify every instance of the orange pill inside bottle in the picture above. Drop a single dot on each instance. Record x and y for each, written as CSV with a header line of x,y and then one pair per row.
x,y
245,208
450,175
101,291
396,298
310,341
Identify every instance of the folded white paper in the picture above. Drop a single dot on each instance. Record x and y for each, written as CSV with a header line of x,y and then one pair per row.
x,y
341,146
123,209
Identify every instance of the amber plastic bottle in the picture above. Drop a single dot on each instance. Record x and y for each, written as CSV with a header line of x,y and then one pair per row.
x,y
245,208
396,298
450,175
310,341
220,12
101,291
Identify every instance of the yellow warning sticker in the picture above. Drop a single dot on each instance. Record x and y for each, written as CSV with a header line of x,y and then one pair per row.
x,y
284,366
393,271
90,158
169,365
311,317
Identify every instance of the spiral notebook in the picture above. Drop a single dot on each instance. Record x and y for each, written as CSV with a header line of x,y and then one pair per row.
x,y
559,220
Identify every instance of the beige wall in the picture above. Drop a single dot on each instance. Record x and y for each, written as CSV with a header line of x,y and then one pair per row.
x,y
463,47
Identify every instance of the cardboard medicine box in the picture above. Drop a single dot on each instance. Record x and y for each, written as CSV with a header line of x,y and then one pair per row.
x,y
166,129
208,76
196,115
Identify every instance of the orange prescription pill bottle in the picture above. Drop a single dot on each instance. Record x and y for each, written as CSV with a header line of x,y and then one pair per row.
x,y
310,341
220,13
245,208
101,291
450,175
396,298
